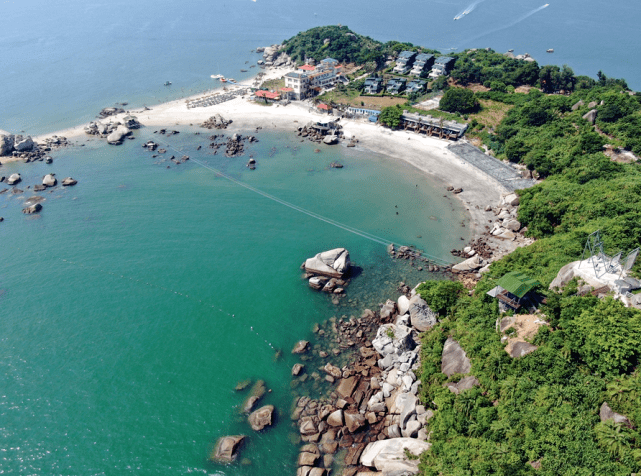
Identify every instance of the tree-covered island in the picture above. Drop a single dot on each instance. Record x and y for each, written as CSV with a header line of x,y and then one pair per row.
x,y
539,413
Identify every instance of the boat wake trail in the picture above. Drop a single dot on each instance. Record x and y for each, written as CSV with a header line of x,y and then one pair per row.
x,y
509,25
469,9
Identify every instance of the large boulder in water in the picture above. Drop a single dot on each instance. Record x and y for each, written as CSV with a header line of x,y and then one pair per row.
x,y
333,263
14,179
117,136
23,144
226,449
261,418
49,180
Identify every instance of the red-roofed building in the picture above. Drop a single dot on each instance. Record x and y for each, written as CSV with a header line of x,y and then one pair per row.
x,y
323,107
267,95
307,67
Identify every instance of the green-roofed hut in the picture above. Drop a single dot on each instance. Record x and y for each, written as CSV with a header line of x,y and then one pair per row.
x,y
512,288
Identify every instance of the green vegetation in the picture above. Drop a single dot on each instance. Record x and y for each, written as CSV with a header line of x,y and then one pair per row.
x,y
345,46
459,100
539,414
543,408
441,296
540,408
391,116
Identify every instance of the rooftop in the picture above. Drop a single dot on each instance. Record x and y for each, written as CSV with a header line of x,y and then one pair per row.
x,y
323,106
424,57
406,54
517,283
307,67
267,94
444,59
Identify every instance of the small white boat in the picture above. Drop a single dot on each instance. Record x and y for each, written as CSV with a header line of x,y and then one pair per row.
x,y
551,50
216,76
167,83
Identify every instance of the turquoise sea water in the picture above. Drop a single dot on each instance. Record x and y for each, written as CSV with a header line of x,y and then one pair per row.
x,y
136,300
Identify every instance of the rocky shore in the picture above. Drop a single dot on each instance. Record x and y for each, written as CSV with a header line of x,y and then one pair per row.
x,y
372,416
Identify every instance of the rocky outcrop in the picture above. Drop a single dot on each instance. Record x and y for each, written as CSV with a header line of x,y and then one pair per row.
x,y
390,456
35,208
453,359
470,264
590,116
261,418
333,263
606,413
118,136
23,144
422,317
216,122
131,122
393,339
330,139
226,449
465,383
6,144
69,182
110,111
519,349
577,105
301,347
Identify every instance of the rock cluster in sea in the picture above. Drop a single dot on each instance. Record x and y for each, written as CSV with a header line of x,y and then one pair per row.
x,y
234,145
216,122
24,147
227,448
114,132
320,134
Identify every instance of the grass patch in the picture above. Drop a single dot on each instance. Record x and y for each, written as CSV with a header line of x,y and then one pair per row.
x,y
273,84
491,113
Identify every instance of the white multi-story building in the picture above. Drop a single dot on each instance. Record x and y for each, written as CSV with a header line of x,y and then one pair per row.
x,y
313,78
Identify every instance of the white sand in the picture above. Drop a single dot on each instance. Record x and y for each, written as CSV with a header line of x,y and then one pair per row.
x,y
429,155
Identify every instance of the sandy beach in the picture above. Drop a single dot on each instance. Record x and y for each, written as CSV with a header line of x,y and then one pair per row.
x,y
428,154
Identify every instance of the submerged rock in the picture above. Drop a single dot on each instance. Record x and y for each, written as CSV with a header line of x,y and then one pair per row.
x,y
257,392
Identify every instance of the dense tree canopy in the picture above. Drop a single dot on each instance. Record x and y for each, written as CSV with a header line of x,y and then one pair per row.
x,y
459,100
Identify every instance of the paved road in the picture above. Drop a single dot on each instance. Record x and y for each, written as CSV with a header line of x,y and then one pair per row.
x,y
508,176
